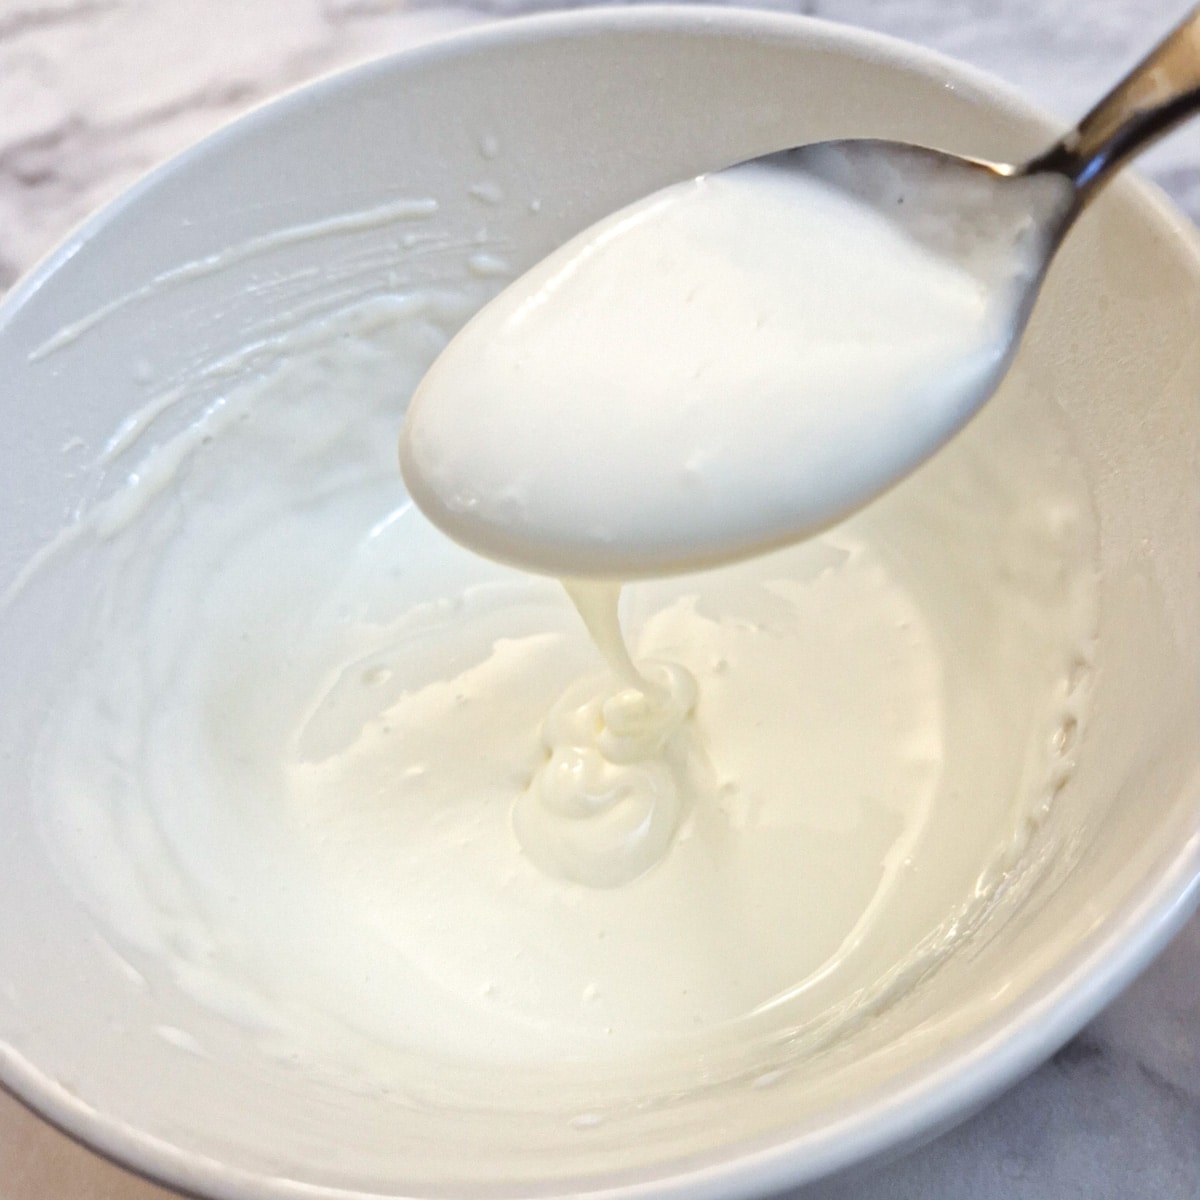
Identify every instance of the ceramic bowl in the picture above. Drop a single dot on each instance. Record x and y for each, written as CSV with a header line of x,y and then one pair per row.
x,y
568,117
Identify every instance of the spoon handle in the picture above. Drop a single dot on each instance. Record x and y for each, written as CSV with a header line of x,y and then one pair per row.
x,y
1159,93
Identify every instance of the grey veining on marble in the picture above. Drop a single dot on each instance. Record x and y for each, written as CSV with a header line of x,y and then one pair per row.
x,y
95,92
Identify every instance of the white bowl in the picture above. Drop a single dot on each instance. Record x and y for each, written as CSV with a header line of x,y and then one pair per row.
x,y
587,111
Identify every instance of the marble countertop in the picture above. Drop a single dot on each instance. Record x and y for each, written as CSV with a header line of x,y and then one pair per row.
x,y
93,92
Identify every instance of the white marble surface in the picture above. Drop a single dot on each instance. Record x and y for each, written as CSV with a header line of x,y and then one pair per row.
x,y
93,92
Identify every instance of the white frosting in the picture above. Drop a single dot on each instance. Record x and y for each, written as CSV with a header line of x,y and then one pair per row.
x,y
621,766
618,778
281,750
722,368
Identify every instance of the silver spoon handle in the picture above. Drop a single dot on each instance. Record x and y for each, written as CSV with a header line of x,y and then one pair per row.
x,y
1159,93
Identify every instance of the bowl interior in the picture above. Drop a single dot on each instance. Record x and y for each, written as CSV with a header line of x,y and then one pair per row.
x,y
522,136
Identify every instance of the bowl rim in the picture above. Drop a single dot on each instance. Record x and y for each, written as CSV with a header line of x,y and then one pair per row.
x,y
972,1068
